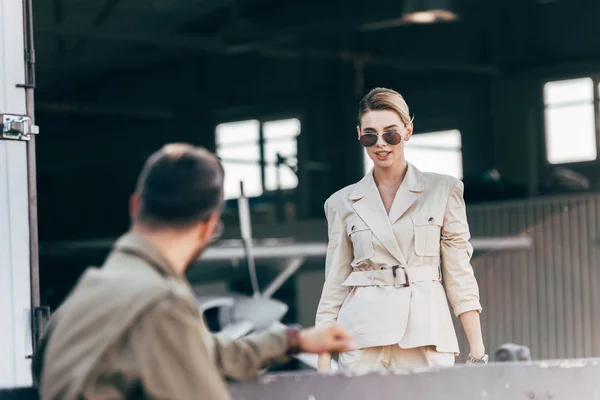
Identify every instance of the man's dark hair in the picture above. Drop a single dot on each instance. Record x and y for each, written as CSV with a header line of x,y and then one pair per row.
x,y
180,185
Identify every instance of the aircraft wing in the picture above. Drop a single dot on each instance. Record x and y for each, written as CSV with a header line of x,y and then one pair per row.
x,y
276,249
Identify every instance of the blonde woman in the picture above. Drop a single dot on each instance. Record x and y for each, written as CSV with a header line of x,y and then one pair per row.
x,y
389,234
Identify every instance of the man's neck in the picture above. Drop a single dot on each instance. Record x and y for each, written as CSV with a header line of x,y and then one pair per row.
x,y
172,245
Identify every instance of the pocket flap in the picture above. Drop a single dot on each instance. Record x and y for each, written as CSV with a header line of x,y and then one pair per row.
x,y
356,225
421,218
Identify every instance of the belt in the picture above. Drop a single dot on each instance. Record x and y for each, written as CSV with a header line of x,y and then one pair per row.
x,y
395,276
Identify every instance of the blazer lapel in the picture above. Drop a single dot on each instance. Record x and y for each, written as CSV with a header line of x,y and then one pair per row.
x,y
408,192
369,207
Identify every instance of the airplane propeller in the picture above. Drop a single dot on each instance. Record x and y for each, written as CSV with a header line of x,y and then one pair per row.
x,y
239,315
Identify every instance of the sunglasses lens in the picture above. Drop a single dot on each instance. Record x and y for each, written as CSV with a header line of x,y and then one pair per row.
x,y
392,138
368,139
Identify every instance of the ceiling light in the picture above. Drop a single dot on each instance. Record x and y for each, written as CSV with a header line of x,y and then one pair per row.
x,y
428,11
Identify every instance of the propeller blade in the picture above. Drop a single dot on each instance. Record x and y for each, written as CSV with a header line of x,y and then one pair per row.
x,y
246,231
261,312
236,330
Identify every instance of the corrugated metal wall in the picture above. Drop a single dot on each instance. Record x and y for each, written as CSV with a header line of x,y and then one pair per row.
x,y
546,297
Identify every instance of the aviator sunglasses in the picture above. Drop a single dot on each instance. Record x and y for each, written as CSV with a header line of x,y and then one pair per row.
x,y
370,139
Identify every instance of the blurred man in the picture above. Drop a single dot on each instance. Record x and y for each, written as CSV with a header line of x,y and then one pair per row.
x,y
132,328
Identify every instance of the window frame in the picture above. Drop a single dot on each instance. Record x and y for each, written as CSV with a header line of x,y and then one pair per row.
x,y
595,77
262,141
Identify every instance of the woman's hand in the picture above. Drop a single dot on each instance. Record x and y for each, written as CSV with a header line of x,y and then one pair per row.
x,y
324,362
472,327
477,352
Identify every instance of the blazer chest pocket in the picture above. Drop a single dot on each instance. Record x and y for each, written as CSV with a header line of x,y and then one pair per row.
x,y
362,240
428,232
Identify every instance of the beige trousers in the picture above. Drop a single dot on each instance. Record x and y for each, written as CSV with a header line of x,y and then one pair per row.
x,y
393,356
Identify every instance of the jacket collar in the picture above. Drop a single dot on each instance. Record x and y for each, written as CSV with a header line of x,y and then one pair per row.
x,y
368,205
133,243
413,181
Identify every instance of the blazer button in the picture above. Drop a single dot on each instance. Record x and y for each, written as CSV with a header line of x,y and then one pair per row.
x,y
352,229
430,219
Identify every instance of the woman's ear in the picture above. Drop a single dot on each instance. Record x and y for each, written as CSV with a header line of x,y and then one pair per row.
x,y
358,130
409,131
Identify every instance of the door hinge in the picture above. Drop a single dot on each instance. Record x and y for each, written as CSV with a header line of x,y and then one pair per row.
x,y
39,319
16,127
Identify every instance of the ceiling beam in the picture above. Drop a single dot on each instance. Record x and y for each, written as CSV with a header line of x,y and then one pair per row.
x,y
190,43
81,109
100,18
384,61
215,46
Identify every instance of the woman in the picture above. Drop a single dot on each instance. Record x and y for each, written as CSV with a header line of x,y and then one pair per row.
x,y
388,235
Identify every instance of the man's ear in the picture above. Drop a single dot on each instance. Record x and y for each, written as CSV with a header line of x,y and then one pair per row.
x,y
134,206
209,226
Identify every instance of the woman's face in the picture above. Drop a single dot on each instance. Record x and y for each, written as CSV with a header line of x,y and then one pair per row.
x,y
384,154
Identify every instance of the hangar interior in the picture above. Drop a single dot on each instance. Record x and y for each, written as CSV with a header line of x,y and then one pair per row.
x,y
505,96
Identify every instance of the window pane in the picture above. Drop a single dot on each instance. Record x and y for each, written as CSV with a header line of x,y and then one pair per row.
x,y
249,174
432,152
280,137
289,180
439,161
245,152
569,91
570,134
287,148
442,139
236,132
281,128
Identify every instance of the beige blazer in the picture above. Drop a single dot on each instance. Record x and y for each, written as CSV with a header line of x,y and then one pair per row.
x,y
383,280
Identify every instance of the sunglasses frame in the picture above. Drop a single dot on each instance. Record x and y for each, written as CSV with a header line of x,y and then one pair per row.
x,y
385,136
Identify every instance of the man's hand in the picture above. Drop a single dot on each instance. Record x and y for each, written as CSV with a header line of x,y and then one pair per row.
x,y
330,338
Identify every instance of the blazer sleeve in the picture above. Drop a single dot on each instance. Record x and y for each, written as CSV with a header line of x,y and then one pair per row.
x,y
456,251
337,268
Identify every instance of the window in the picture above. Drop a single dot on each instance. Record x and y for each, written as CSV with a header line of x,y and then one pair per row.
x,y
249,151
280,138
432,152
570,125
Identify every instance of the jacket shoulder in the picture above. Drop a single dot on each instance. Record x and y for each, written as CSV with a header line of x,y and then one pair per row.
x,y
435,179
339,196
125,282
150,282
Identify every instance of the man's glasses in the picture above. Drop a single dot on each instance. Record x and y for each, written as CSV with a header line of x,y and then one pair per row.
x,y
370,139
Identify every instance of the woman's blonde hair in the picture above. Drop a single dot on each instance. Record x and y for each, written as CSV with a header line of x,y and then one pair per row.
x,y
384,99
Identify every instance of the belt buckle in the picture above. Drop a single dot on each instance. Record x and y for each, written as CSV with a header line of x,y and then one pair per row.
x,y
395,274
